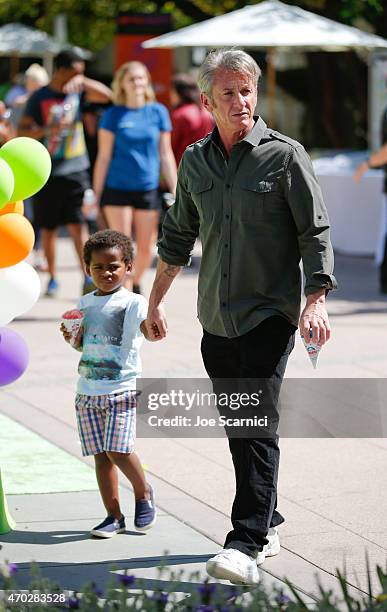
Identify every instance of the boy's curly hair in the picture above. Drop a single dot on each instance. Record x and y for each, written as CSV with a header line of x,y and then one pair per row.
x,y
108,239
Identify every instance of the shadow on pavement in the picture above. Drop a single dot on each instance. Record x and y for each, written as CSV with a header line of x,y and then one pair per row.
x,y
53,537
73,576
358,280
359,311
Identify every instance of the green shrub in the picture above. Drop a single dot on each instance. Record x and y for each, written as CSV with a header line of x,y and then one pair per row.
x,y
126,592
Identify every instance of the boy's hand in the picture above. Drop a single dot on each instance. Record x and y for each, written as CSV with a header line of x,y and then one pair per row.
x,y
151,335
75,342
66,334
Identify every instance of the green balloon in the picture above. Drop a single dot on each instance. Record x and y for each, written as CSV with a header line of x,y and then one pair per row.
x,y
30,163
7,183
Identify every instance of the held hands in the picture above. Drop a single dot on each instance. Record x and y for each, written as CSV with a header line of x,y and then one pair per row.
x,y
156,324
314,323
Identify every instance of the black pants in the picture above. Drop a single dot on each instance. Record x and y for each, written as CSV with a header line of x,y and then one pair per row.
x,y
261,353
383,269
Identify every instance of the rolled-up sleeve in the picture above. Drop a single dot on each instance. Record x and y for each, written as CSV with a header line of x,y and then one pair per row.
x,y
180,227
311,218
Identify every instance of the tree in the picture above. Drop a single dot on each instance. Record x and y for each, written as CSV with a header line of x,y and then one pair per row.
x,y
92,22
336,103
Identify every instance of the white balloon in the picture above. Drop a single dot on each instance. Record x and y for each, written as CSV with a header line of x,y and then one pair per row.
x,y
19,290
5,320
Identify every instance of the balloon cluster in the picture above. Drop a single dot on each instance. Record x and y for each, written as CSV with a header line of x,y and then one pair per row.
x,y
25,166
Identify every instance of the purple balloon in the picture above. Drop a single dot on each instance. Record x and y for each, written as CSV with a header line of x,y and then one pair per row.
x,y
14,356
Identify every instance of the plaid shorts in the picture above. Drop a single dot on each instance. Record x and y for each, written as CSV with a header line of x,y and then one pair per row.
x,y
106,422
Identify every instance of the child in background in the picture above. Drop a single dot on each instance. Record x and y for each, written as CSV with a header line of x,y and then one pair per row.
x,y
110,337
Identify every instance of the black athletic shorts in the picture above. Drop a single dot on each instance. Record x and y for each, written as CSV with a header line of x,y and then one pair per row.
x,y
60,200
142,200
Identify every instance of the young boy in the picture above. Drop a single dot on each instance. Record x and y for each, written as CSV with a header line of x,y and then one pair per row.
x,y
110,338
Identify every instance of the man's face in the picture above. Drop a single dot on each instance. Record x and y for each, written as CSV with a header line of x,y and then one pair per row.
x,y
69,73
233,100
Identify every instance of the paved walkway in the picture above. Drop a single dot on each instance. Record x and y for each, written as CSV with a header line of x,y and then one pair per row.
x,y
332,491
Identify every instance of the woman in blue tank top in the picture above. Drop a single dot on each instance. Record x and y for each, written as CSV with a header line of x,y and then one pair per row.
x,y
134,145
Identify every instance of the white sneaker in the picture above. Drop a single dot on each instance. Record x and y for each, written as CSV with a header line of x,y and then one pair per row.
x,y
231,564
270,549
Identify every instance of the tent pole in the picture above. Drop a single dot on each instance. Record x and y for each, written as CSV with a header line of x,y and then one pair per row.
x,y
271,81
14,66
48,63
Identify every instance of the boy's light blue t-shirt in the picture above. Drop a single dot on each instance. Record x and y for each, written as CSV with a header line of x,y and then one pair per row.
x,y
110,361
135,163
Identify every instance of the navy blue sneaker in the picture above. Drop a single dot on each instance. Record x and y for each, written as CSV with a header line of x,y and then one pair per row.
x,y
52,288
109,527
145,513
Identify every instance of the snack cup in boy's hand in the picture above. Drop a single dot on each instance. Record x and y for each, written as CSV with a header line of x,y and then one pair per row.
x,y
72,320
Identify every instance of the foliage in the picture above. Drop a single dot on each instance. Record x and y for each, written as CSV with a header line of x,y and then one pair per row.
x,y
99,15
332,90
127,592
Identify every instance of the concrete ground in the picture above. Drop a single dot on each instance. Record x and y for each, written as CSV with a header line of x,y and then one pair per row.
x,y
331,490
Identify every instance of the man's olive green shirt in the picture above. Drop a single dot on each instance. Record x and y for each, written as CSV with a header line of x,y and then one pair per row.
x,y
257,214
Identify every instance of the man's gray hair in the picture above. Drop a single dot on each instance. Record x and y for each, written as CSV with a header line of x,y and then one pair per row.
x,y
234,60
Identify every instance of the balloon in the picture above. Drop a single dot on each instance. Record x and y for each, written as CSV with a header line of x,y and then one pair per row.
x,y
14,356
7,183
30,163
6,521
17,238
16,207
20,290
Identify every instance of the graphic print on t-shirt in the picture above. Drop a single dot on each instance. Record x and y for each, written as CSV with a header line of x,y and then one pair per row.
x,y
102,341
69,142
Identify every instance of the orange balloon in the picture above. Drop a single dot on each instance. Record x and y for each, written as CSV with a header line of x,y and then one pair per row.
x,y
17,238
13,207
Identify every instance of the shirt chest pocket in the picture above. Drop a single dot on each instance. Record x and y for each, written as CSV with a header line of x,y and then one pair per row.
x,y
259,198
202,194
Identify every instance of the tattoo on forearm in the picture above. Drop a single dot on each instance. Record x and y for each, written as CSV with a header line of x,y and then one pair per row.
x,y
172,271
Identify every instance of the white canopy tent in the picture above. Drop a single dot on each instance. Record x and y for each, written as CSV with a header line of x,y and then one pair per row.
x,y
18,40
269,25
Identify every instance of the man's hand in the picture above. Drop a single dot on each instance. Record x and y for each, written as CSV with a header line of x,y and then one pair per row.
x,y
360,170
314,321
156,324
75,85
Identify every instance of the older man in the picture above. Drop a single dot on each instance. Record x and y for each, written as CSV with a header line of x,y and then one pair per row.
x,y
251,196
